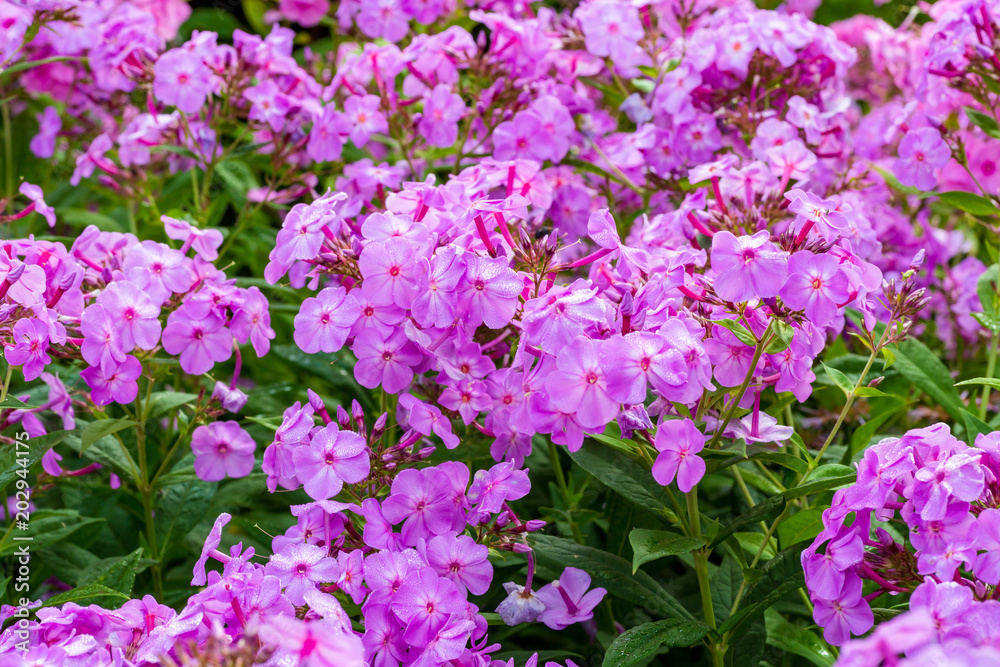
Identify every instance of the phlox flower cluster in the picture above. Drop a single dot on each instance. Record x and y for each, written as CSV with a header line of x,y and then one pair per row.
x,y
921,520
407,559
115,301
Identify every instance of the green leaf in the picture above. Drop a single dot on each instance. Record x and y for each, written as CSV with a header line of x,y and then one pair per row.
x,y
638,643
644,85
109,453
764,511
623,475
651,72
612,573
792,639
180,509
986,288
94,431
47,527
804,525
740,331
748,648
726,581
993,326
88,592
974,426
784,334
983,121
968,202
840,379
823,478
23,454
882,614
650,545
894,183
333,368
927,372
237,178
165,401
13,402
870,392
753,543
118,574
782,459
889,358
29,64
990,382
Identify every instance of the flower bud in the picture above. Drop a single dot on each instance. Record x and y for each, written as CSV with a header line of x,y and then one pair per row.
x,y
315,401
359,416
15,274
67,281
343,419
232,399
378,429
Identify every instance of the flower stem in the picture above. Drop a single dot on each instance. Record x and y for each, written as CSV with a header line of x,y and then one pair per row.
x,y
990,367
764,341
847,407
700,558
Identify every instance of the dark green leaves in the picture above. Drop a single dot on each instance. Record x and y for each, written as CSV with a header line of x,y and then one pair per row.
x,y
164,401
926,371
94,431
783,635
48,527
781,576
622,474
25,453
764,511
650,545
802,526
612,573
13,402
640,642
823,478
863,435
117,574
88,594
181,508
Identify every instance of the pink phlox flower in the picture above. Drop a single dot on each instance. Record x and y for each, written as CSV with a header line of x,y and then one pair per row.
x,y
747,267
567,600
333,458
324,321
679,441
222,449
